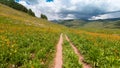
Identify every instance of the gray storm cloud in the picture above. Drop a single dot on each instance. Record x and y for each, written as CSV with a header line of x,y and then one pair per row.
x,y
72,9
32,2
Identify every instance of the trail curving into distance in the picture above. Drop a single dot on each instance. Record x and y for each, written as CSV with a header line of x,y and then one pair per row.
x,y
81,58
58,57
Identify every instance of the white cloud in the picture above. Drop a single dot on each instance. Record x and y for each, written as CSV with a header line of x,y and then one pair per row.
x,y
69,16
63,9
23,3
106,16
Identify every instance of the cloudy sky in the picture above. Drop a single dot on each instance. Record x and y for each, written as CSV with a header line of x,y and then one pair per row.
x,y
74,9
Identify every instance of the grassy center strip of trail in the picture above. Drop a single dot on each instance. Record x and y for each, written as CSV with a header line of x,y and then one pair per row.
x,y
58,57
70,59
81,58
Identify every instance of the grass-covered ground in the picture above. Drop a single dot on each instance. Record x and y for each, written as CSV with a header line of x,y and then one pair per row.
x,y
102,30
70,59
26,46
29,42
26,41
99,49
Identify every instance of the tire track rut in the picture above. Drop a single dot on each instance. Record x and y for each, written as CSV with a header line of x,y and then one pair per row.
x,y
58,57
81,58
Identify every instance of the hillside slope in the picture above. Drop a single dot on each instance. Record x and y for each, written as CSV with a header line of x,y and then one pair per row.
x,y
23,18
91,24
26,41
30,42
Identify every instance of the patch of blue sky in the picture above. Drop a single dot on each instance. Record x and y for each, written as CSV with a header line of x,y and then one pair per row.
x,y
17,0
49,0
27,3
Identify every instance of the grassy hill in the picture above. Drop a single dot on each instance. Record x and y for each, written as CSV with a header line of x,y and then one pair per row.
x,y
71,23
91,24
26,41
103,24
30,42
17,6
23,18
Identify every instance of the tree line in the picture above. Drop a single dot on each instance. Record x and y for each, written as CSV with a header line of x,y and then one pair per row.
x,y
17,6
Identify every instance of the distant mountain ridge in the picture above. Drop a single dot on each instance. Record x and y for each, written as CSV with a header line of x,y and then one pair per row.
x,y
101,23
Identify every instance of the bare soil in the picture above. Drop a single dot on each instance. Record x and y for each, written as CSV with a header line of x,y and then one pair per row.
x,y
58,57
81,58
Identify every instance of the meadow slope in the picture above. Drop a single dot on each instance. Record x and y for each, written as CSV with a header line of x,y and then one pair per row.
x,y
30,42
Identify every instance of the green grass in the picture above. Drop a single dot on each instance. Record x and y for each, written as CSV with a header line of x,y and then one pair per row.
x,y
101,51
22,18
70,59
26,46
26,41
29,42
101,30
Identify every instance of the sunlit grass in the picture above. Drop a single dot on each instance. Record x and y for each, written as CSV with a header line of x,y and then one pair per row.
x,y
99,49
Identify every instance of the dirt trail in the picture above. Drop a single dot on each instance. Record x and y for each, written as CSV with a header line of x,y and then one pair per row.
x,y
81,58
58,57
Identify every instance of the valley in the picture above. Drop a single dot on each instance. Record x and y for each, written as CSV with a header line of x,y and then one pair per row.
x,y
31,42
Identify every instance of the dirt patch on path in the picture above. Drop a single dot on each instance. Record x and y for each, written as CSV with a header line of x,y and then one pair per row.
x,y
81,58
58,57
